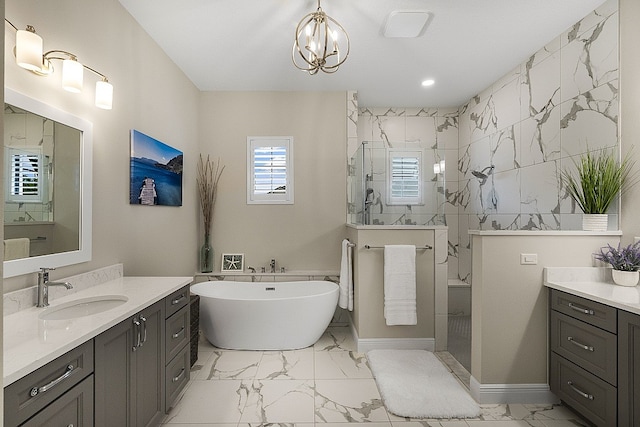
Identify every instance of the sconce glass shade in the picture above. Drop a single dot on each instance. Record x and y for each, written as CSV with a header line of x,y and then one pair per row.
x,y
72,73
104,95
29,49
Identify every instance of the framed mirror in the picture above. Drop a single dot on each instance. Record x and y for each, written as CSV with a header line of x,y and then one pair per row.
x,y
47,191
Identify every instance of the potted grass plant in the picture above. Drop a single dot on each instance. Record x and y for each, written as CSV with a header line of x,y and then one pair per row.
x,y
600,179
625,262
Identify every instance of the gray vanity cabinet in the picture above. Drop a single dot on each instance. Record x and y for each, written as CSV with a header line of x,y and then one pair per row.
x,y
59,393
177,336
129,370
628,369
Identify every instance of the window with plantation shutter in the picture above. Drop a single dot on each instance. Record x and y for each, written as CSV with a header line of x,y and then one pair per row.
x,y
270,170
25,175
404,177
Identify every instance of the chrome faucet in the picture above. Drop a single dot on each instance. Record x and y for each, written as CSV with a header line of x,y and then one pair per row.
x,y
273,265
43,286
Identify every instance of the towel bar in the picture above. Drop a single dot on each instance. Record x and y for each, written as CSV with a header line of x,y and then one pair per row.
x,y
382,247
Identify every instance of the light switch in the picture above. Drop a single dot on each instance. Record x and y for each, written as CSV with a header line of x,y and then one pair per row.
x,y
528,259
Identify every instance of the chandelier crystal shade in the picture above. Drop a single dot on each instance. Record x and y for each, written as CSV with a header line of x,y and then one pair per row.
x,y
321,43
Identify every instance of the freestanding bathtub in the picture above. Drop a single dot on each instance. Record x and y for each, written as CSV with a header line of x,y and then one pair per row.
x,y
265,315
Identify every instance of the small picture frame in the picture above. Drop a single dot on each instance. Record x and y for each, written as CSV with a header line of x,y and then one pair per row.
x,y
232,262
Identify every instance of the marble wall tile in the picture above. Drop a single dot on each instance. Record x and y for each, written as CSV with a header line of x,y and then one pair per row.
x,y
421,130
505,148
590,60
540,85
540,189
590,121
506,102
540,138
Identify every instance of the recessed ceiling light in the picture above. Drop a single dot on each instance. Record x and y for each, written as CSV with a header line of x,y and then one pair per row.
x,y
428,82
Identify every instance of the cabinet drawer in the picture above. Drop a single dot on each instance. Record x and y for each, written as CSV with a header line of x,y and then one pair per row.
x,y
592,312
176,301
177,376
177,332
47,383
592,397
589,347
74,408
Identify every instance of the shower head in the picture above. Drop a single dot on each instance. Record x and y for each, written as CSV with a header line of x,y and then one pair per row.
x,y
484,173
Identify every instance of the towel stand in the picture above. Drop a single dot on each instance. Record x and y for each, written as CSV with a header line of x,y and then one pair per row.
x,y
382,247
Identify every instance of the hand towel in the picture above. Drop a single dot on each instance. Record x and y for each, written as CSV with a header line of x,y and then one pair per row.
x,y
345,299
400,285
16,248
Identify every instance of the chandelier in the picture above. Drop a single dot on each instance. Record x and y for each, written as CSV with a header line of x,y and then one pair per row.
x,y
318,43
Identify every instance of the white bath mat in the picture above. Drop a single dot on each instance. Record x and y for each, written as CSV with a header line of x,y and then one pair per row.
x,y
414,383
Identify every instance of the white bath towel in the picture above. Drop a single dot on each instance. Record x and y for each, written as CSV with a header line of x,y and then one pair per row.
x,y
345,299
400,285
16,248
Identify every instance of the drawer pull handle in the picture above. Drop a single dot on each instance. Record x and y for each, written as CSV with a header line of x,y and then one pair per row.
x,y
178,377
580,392
581,309
136,325
178,300
582,346
37,390
144,330
177,334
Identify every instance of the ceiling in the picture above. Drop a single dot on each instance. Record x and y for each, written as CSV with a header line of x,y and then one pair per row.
x,y
246,45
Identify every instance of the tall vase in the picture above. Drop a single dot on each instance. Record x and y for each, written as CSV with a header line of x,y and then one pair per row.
x,y
206,256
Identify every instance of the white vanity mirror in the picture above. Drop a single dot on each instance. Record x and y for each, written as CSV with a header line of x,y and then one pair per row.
x,y
47,190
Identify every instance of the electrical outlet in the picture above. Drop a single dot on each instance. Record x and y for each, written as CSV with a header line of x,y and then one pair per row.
x,y
528,259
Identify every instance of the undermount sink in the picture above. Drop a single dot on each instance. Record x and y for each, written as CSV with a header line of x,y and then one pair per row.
x,y
83,307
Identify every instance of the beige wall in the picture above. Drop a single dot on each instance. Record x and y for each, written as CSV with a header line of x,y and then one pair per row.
x,y
151,95
630,108
509,304
307,234
368,310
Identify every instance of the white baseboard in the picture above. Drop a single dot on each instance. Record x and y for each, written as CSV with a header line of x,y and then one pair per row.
x,y
511,393
365,344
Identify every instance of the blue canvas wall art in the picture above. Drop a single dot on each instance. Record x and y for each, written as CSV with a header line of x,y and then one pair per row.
x,y
156,172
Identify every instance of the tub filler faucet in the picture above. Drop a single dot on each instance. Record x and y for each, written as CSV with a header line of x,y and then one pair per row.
x,y
43,286
273,265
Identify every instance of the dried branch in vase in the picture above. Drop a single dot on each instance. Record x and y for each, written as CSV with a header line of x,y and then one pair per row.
x,y
209,173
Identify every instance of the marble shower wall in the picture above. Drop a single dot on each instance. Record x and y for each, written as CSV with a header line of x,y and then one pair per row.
x,y
530,125
433,130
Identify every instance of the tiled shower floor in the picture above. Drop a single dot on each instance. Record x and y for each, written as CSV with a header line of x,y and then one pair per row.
x,y
328,384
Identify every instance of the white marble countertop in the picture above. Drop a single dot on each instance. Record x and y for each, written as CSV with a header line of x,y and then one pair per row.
x,y
30,343
595,284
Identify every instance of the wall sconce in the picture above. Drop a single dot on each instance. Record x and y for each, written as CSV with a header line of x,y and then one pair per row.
x,y
29,55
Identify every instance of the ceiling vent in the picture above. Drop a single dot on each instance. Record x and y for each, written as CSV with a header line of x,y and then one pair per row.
x,y
406,23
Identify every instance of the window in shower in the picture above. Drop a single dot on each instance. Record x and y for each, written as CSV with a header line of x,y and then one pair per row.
x,y
404,177
25,175
269,170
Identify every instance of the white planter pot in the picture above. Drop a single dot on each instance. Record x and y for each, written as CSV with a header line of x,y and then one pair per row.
x,y
625,278
595,222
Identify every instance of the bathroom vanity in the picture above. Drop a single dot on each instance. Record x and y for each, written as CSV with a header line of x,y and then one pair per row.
x,y
595,345
123,366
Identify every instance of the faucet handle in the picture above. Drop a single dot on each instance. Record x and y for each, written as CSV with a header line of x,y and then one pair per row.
x,y
46,269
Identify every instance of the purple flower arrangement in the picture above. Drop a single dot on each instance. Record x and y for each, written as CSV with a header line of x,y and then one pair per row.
x,y
621,258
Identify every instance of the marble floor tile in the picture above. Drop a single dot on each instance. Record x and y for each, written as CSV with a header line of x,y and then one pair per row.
x,y
230,365
352,400
503,423
336,339
279,365
341,365
270,401
210,402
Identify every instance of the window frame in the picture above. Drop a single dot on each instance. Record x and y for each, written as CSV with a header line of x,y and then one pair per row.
x,y
286,197
401,152
11,173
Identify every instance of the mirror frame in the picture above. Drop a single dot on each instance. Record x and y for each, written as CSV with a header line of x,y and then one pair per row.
x,y
22,266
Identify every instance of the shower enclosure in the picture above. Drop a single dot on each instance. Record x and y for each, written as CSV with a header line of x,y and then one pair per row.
x,y
396,183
